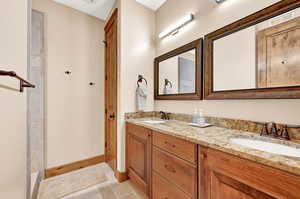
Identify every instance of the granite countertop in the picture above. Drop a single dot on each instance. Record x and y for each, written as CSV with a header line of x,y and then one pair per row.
x,y
219,138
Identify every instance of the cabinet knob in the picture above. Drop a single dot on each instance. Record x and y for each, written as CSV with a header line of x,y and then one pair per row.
x,y
169,168
284,61
202,156
172,145
112,116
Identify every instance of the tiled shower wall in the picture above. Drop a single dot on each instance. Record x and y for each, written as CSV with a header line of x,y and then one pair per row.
x,y
36,95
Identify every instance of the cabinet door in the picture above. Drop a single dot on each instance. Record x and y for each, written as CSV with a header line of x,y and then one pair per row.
x,y
224,176
138,147
225,187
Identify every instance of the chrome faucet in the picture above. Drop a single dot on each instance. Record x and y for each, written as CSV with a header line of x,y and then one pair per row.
x,y
164,115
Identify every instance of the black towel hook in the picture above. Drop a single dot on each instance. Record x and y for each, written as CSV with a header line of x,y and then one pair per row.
x,y
140,80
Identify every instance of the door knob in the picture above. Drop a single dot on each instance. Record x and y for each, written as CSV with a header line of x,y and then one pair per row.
x,y
112,116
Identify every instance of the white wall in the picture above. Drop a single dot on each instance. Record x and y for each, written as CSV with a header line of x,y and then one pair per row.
x,y
210,16
13,56
74,109
137,29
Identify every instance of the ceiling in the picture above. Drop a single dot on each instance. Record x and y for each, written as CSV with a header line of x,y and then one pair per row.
x,y
152,4
96,8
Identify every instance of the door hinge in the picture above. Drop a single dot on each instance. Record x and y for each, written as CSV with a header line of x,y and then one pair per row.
x,y
105,43
106,78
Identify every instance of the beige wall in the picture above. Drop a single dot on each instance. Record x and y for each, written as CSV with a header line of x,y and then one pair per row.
x,y
137,29
235,68
208,17
74,109
168,69
13,56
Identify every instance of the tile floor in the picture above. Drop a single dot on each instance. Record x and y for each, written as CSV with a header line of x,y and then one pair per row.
x,y
123,190
95,182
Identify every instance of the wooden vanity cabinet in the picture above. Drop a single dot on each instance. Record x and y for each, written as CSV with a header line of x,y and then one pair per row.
x,y
162,166
174,168
167,167
224,176
138,156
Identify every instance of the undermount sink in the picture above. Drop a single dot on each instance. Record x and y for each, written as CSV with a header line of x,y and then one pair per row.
x,y
154,121
270,147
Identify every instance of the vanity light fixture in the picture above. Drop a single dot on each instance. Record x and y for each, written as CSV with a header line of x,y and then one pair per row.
x,y
172,30
91,1
219,1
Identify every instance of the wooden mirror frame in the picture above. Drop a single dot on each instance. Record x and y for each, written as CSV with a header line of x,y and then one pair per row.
x,y
292,92
197,45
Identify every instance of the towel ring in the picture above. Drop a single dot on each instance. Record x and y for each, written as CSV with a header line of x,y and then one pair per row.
x,y
140,80
168,82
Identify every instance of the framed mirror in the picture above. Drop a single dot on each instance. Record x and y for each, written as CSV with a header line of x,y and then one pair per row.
x,y
178,74
257,57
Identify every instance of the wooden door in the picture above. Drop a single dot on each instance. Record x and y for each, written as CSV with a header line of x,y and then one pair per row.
x,y
278,50
111,91
283,59
138,156
224,176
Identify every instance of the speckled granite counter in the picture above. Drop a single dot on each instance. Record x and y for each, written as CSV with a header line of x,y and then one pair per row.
x,y
219,138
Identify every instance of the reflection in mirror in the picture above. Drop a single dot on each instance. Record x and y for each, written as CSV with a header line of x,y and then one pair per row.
x,y
265,55
177,74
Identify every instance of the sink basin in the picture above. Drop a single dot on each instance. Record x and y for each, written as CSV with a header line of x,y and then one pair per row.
x,y
270,147
154,121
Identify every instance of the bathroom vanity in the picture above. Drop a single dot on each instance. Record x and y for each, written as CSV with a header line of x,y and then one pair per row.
x,y
170,159
252,58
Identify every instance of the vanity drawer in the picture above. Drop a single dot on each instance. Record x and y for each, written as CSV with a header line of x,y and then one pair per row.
x,y
182,148
175,170
138,131
163,189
